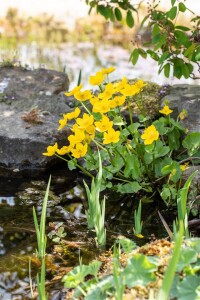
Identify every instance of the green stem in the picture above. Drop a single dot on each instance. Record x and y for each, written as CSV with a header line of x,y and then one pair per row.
x,y
85,107
130,111
77,165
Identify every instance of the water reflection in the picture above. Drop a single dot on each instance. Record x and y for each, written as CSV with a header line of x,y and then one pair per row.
x,y
86,56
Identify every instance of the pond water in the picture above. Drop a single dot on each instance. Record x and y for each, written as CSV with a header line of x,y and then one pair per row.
x,y
89,58
66,204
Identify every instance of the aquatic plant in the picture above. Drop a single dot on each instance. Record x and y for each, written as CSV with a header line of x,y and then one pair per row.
x,y
137,229
96,210
41,242
137,157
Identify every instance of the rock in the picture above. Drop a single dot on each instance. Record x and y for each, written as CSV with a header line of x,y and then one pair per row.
x,y
31,103
185,96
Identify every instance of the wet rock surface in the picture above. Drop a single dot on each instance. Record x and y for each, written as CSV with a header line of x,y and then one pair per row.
x,y
31,102
185,96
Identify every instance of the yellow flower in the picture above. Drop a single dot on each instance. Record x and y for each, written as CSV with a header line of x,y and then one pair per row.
x,y
83,96
74,90
73,114
94,100
183,114
90,129
63,123
166,110
79,151
64,150
103,125
85,121
140,84
89,137
117,101
150,135
184,167
108,70
111,136
108,92
51,150
130,90
102,106
97,79
78,137
121,84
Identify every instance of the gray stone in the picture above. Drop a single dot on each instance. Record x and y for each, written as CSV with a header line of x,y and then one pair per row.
x,y
185,96
31,103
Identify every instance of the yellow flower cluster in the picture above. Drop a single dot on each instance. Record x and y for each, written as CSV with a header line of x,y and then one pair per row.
x,y
85,128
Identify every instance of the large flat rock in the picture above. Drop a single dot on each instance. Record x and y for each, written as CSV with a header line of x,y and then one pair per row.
x,y
31,103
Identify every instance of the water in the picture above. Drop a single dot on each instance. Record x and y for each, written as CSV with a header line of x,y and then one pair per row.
x,y
71,58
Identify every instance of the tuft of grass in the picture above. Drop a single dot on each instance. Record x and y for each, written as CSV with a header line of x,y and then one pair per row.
x,y
96,210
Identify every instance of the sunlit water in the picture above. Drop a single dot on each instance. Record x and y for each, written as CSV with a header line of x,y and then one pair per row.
x,y
71,58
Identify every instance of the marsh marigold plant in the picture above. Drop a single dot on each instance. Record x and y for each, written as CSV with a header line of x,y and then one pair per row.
x,y
134,155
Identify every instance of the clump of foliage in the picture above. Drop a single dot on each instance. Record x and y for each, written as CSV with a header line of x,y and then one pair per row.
x,y
138,156
136,272
174,47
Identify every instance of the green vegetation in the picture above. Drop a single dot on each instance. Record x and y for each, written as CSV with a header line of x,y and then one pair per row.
x,y
174,47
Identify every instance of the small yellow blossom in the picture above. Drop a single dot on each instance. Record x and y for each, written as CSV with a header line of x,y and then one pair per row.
x,y
94,100
173,173
64,150
104,124
78,137
97,79
74,90
111,136
108,92
83,96
85,121
108,70
121,84
130,90
90,129
73,114
117,101
79,151
51,150
63,123
102,106
166,110
183,114
184,167
140,84
150,135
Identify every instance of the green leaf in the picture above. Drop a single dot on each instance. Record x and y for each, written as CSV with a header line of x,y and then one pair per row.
x,y
189,51
174,139
172,13
156,30
139,271
183,28
72,164
127,245
134,56
118,14
132,187
187,257
187,288
153,55
182,7
129,19
132,167
167,70
142,52
192,142
161,41
173,2
174,170
104,11
182,38
98,291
